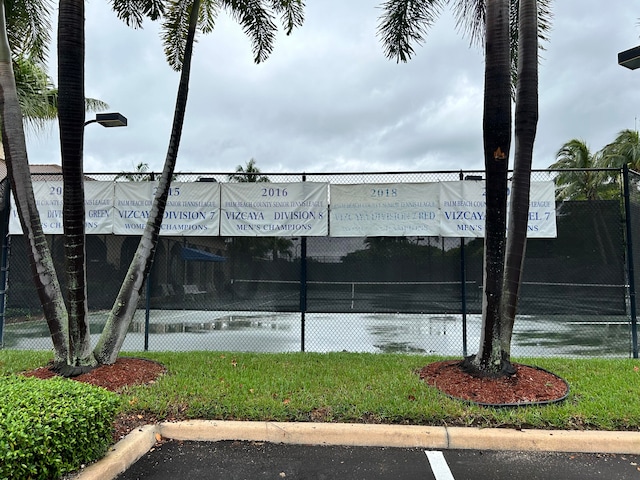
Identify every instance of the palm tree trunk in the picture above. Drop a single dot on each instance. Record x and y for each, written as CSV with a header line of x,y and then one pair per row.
x,y
13,141
525,133
115,330
71,110
497,139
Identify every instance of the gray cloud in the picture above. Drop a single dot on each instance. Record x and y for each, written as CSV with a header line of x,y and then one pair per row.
x,y
328,100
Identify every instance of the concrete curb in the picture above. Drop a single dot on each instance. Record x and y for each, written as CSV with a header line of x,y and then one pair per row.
x,y
122,455
137,443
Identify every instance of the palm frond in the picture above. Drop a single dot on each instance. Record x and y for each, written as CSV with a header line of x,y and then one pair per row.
x,y
291,13
209,10
132,12
174,32
624,150
470,18
29,27
405,23
257,22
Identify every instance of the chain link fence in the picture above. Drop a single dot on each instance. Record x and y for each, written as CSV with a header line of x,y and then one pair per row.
x,y
418,294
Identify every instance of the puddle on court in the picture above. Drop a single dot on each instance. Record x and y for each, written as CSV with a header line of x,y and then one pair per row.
x,y
182,330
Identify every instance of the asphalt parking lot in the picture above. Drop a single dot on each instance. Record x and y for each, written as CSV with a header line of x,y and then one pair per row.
x,y
236,460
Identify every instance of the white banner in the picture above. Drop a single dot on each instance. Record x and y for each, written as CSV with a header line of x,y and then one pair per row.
x,y
448,209
98,206
274,209
192,208
385,210
463,209
48,194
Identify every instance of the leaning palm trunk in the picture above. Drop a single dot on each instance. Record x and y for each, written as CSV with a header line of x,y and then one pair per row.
x,y
525,133
13,141
71,108
121,314
497,138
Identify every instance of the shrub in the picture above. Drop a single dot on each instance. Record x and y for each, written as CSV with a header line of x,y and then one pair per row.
x,y
51,427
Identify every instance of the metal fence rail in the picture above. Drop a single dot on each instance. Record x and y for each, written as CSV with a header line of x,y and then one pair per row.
x,y
397,294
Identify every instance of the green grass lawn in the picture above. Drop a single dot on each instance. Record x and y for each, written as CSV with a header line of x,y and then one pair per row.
x,y
351,387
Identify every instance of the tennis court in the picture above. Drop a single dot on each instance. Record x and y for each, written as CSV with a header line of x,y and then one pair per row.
x,y
263,331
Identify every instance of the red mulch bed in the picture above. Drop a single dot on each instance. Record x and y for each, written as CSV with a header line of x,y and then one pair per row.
x,y
527,385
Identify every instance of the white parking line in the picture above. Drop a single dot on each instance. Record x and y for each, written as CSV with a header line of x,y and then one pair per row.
x,y
439,465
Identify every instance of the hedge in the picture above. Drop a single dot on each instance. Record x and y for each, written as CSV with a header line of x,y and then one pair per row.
x,y
52,427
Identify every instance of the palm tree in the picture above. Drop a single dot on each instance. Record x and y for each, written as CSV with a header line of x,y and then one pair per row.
x,y
407,21
182,20
576,183
248,173
497,143
45,279
24,44
70,329
526,120
140,174
624,150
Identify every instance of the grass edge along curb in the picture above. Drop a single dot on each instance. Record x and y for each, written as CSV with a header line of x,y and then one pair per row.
x,y
49,428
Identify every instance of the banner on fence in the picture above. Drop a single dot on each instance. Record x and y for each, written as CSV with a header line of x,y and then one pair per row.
x,y
122,208
274,209
98,208
192,208
390,210
447,209
463,206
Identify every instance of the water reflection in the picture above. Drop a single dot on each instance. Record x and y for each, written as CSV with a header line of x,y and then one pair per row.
x,y
181,330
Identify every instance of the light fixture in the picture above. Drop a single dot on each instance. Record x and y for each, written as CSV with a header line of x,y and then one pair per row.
x,y
630,58
113,119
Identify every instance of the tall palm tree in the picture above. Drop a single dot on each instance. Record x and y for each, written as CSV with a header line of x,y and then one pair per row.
x,y
578,184
71,52
34,38
70,329
25,37
497,143
406,22
526,121
182,20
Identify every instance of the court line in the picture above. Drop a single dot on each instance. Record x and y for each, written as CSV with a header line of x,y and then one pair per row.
x,y
439,465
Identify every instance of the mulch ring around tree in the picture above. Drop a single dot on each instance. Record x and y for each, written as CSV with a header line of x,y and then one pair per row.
x,y
529,385
126,371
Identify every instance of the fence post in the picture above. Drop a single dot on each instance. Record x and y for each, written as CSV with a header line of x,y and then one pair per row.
x,y
147,305
147,310
4,263
463,290
303,284
630,267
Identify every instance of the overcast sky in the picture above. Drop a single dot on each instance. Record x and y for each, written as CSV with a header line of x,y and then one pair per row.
x,y
327,100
